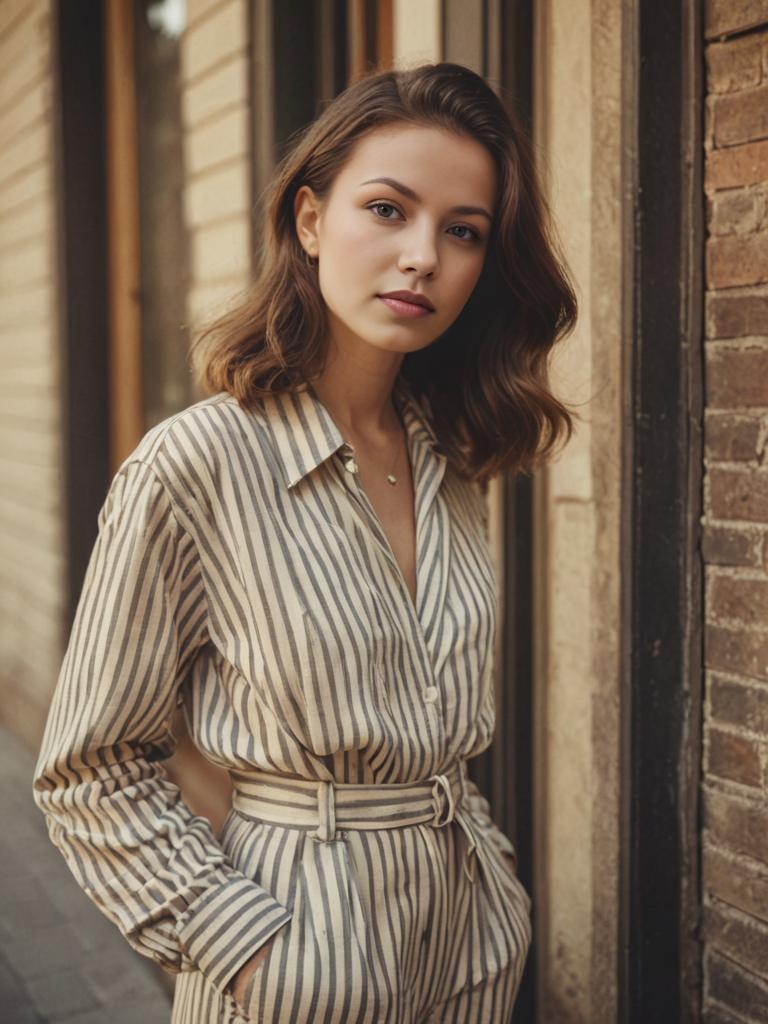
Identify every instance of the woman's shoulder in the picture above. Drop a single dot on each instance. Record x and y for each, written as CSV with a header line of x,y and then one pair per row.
x,y
191,450
198,431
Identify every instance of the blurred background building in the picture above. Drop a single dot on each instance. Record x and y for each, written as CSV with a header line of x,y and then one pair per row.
x,y
631,760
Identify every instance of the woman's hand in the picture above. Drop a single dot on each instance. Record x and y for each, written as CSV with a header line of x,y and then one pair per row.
x,y
239,984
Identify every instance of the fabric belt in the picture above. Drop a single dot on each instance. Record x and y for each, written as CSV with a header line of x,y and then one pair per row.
x,y
323,806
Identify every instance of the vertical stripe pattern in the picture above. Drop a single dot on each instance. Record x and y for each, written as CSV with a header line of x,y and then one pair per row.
x,y
242,572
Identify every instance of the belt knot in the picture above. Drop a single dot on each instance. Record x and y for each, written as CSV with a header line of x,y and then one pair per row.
x,y
445,812
443,799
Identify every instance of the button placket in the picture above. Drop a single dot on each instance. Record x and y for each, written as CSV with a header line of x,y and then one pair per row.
x,y
428,695
353,485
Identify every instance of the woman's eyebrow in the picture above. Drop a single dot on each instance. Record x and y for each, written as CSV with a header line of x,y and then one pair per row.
x,y
410,194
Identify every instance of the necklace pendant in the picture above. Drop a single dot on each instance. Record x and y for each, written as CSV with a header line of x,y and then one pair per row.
x,y
391,479
348,458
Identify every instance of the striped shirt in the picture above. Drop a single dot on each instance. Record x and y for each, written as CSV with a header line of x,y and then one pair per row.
x,y
241,571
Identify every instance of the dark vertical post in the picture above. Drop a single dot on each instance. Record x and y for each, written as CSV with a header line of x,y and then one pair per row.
x,y
515,801
659,965
82,276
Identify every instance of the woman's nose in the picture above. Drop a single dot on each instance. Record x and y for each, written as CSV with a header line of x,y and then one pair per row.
x,y
419,255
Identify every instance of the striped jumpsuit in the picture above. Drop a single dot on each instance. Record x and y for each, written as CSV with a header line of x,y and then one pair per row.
x,y
242,572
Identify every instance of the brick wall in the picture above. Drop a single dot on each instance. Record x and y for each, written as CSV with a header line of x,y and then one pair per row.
x,y
735,770
32,577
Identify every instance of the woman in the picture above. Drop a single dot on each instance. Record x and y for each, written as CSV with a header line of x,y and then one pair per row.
x,y
301,560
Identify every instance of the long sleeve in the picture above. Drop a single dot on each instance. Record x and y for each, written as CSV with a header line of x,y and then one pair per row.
x,y
136,849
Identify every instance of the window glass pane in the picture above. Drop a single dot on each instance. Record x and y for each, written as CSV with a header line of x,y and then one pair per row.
x,y
164,250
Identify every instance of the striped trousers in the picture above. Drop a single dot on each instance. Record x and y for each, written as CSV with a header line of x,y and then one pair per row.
x,y
402,913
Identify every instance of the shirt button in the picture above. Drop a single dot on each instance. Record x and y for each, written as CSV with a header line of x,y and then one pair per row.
x,y
430,694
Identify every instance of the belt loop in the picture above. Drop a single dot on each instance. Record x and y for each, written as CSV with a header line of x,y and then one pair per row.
x,y
326,812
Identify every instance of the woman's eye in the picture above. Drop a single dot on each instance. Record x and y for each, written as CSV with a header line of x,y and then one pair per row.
x,y
378,206
473,236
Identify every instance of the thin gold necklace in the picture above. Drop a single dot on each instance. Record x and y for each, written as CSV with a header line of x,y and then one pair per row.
x,y
351,465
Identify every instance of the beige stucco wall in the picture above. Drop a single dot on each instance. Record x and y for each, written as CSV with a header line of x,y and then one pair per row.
x,y
32,571
216,112
578,132
416,31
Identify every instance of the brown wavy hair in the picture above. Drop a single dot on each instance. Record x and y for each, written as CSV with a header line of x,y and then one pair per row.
x,y
486,377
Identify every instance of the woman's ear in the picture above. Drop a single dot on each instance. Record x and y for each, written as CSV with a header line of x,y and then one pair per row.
x,y
306,212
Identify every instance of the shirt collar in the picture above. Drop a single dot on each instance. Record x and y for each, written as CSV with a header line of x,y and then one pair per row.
x,y
304,433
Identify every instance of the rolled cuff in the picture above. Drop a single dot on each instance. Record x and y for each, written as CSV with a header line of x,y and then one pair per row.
x,y
226,925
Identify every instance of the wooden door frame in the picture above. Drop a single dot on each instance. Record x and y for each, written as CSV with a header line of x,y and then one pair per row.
x,y
124,256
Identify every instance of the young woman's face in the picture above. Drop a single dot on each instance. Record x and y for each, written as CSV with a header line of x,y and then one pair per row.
x,y
425,229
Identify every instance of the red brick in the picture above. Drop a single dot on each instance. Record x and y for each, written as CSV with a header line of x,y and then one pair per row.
x,y
739,937
731,545
733,757
737,259
736,315
736,651
735,211
741,884
733,65
739,494
735,703
741,117
731,437
736,166
722,17
736,988
736,376
733,597
738,824
709,126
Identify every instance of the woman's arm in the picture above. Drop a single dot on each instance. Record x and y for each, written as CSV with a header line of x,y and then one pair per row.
x,y
140,854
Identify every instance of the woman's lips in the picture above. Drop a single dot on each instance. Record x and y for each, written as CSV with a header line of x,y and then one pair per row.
x,y
403,308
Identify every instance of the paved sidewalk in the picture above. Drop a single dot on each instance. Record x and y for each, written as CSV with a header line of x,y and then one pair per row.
x,y
61,960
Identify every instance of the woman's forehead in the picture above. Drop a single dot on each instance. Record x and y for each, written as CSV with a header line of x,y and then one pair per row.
x,y
422,158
